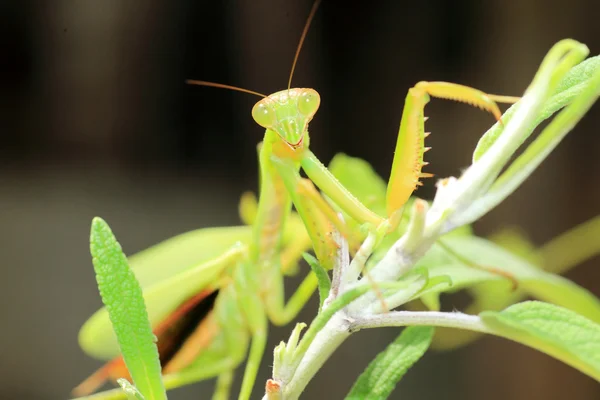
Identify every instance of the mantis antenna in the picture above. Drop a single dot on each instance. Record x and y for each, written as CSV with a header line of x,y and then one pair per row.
x,y
313,10
222,86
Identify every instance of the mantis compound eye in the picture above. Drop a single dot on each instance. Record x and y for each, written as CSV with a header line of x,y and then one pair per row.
x,y
264,115
308,102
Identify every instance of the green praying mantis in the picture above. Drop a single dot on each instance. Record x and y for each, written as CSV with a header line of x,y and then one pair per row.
x,y
233,276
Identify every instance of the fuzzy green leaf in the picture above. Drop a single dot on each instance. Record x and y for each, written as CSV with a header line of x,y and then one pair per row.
x,y
537,151
385,371
558,256
122,295
574,82
553,330
532,280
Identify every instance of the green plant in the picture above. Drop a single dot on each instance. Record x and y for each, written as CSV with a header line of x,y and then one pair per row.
x,y
434,253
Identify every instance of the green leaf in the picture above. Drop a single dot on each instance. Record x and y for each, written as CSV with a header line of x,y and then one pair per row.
x,y
491,295
574,82
539,149
474,197
359,177
553,330
559,255
122,295
385,371
515,240
532,280
414,285
324,283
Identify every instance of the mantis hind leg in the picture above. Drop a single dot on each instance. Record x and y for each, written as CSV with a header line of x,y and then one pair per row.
x,y
223,386
257,349
217,364
249,301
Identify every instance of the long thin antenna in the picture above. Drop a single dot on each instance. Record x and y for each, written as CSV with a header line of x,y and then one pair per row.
x,y
313,10
222,86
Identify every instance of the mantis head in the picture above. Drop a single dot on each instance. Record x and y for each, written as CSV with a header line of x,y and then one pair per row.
x,y
288,113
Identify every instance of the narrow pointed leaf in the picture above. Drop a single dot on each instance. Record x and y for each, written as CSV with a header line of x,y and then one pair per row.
x,y
574,82
122,295
537,151
324,283
385,371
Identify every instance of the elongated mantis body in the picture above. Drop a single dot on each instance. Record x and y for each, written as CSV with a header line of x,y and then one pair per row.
x,y
245,268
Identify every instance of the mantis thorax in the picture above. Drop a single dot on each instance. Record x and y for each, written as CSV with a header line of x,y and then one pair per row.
x,y
288,113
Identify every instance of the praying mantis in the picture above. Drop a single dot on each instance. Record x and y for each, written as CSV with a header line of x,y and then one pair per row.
x,y
235,282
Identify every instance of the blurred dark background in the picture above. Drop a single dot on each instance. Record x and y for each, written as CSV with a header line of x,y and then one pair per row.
x,y
95,119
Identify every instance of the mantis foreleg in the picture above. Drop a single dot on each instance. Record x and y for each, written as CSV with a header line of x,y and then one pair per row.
x,y
408,157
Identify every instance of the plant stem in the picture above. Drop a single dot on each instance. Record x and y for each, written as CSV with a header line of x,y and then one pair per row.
x,y
325,343
339,328
424,318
